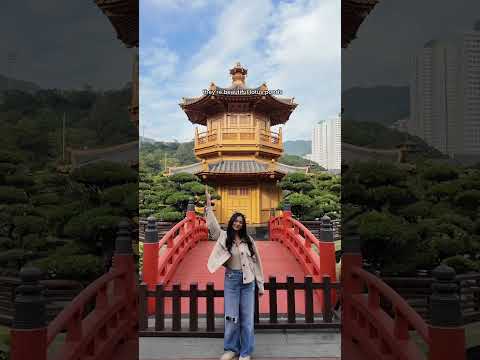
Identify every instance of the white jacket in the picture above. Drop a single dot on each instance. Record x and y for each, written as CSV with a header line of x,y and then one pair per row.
x,y
251,265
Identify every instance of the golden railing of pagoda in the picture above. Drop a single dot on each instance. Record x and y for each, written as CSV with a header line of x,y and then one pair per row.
x,y
238,135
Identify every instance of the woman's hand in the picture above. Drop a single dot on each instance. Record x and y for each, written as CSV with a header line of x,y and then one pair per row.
x,y
208,201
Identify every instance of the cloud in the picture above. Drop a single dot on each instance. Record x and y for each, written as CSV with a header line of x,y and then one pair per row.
x,y
292,46
304,55
178,4
157,68
158,61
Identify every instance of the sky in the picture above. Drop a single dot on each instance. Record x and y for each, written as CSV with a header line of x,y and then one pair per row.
x,y
395,31
62,44
293,46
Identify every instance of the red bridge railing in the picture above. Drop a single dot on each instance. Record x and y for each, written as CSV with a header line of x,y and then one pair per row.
x,y
161,258
95,335
301,242
369,329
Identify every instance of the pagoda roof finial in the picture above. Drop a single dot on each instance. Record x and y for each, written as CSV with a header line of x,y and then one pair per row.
x,y
239,73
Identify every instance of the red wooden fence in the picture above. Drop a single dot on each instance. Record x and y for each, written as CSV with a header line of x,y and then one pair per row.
x,y
370,330
300,241
159,266
95,335
164,324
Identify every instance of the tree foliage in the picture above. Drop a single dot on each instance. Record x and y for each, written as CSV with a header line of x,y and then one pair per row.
x,y
42,207
415,217
167,197
311,195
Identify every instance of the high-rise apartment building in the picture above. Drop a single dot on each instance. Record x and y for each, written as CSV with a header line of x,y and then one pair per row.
x,y
326,144
445,94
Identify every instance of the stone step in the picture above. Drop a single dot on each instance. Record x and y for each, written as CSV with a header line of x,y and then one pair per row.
x,y
269,345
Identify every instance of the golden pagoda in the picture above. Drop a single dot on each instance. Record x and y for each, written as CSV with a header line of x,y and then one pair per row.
x,y
237,147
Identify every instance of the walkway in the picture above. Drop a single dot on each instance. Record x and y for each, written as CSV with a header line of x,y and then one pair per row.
x,y
276,259
269,345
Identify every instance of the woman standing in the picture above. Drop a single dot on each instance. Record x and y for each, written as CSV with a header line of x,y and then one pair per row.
x,y
237,252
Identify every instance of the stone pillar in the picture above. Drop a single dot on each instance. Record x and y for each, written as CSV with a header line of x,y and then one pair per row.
x,y
150,259
352,257
326,229
29,330
326,252
124,261
191,216
286,214
447,334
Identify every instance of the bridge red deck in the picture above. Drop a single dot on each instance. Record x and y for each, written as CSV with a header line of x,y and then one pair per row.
x,y
276,259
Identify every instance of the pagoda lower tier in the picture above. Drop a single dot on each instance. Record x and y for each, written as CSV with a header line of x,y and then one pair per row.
x,y
246,186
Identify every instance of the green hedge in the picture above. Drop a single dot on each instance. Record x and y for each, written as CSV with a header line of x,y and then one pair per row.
x,y
461,264
104,174
10,157
117,195
72,267
11,195
29,224
84,226
19,180
168,215
45,199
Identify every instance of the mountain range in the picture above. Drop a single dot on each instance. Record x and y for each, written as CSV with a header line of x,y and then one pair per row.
x,y
297,147
146,140
10,83
378,104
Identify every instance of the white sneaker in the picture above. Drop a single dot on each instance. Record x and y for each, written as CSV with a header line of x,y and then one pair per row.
x,y
229,355
245,357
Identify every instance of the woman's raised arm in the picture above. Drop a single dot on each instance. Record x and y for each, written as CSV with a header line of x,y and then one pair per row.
x,y
212,223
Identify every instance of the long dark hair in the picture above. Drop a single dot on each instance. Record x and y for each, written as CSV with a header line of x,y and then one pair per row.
x,y
242,233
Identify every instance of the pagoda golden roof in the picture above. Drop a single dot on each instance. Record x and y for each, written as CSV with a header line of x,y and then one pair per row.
x,y
123,15
238,97
354,13
238,167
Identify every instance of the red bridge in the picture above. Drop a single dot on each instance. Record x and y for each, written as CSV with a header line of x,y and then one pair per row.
x,y
181,257
103,322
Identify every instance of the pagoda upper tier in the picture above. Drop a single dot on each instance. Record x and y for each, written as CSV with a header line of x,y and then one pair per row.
x,y
238,98
238,142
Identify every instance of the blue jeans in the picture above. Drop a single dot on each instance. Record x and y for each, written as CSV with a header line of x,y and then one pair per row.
x,y
239,305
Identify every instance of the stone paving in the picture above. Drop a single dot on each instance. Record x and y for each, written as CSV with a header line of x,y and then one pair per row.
x,y
269,344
